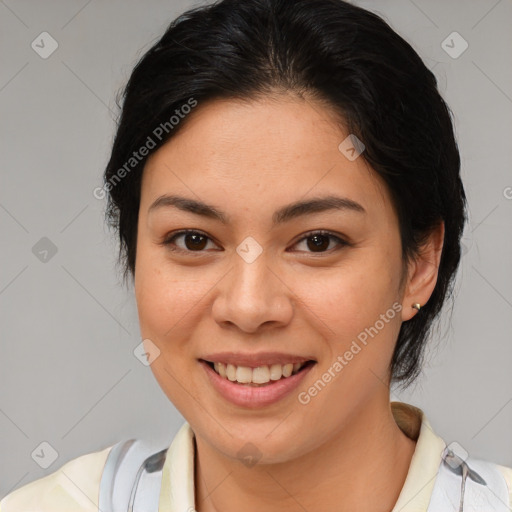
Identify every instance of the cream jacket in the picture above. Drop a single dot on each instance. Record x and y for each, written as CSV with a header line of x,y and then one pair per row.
x,y
75,486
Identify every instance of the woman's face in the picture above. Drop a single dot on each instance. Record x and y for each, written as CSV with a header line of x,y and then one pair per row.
x,y
258,284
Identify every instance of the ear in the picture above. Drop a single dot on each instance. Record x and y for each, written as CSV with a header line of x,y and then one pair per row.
x,y
423,272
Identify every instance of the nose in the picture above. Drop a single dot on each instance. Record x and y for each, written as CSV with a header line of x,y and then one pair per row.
x,y
253,296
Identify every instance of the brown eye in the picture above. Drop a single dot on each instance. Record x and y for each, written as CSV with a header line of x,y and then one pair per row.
x,y
193,241
319,241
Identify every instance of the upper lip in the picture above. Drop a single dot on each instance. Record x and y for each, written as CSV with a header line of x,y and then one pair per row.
x,y
254,360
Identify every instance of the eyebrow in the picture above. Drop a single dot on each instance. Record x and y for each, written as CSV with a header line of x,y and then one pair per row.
x,y
284,214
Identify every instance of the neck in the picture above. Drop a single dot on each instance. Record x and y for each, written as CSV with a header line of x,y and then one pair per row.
x,y
348,472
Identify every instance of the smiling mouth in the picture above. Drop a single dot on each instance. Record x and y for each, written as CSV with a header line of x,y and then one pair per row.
x,y
260,376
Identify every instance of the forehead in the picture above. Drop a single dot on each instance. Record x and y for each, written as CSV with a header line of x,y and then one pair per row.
x,y
269,151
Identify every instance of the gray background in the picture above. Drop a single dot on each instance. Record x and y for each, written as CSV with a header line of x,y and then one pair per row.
x,y
68,373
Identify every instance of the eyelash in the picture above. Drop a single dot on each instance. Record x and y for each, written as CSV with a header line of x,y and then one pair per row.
x,y
169,241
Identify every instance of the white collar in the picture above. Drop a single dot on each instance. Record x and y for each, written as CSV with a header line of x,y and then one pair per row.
x,y
177,490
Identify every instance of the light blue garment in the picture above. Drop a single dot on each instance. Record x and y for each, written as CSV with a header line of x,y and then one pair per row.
x,y
132,476
465,484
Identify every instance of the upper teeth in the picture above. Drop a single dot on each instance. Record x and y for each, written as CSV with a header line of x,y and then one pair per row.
x,y
259,375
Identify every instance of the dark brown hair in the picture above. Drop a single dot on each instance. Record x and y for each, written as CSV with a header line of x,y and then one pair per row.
x,y
341,54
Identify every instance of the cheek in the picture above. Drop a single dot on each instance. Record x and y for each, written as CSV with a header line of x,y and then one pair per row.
x,y
161,297
167,307
171,299
354,309
348,297
165,304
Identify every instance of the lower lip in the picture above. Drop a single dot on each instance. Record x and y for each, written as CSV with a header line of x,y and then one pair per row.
x,y
254,396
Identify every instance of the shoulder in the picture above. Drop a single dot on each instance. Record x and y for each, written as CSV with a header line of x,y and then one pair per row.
x,y
507,475
74,487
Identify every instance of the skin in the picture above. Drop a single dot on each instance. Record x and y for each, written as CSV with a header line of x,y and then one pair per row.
x,y
262,155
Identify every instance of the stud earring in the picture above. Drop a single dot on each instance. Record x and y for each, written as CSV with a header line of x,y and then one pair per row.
x,y
416,306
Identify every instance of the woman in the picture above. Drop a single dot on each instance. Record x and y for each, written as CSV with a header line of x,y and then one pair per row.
x,y
285,185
